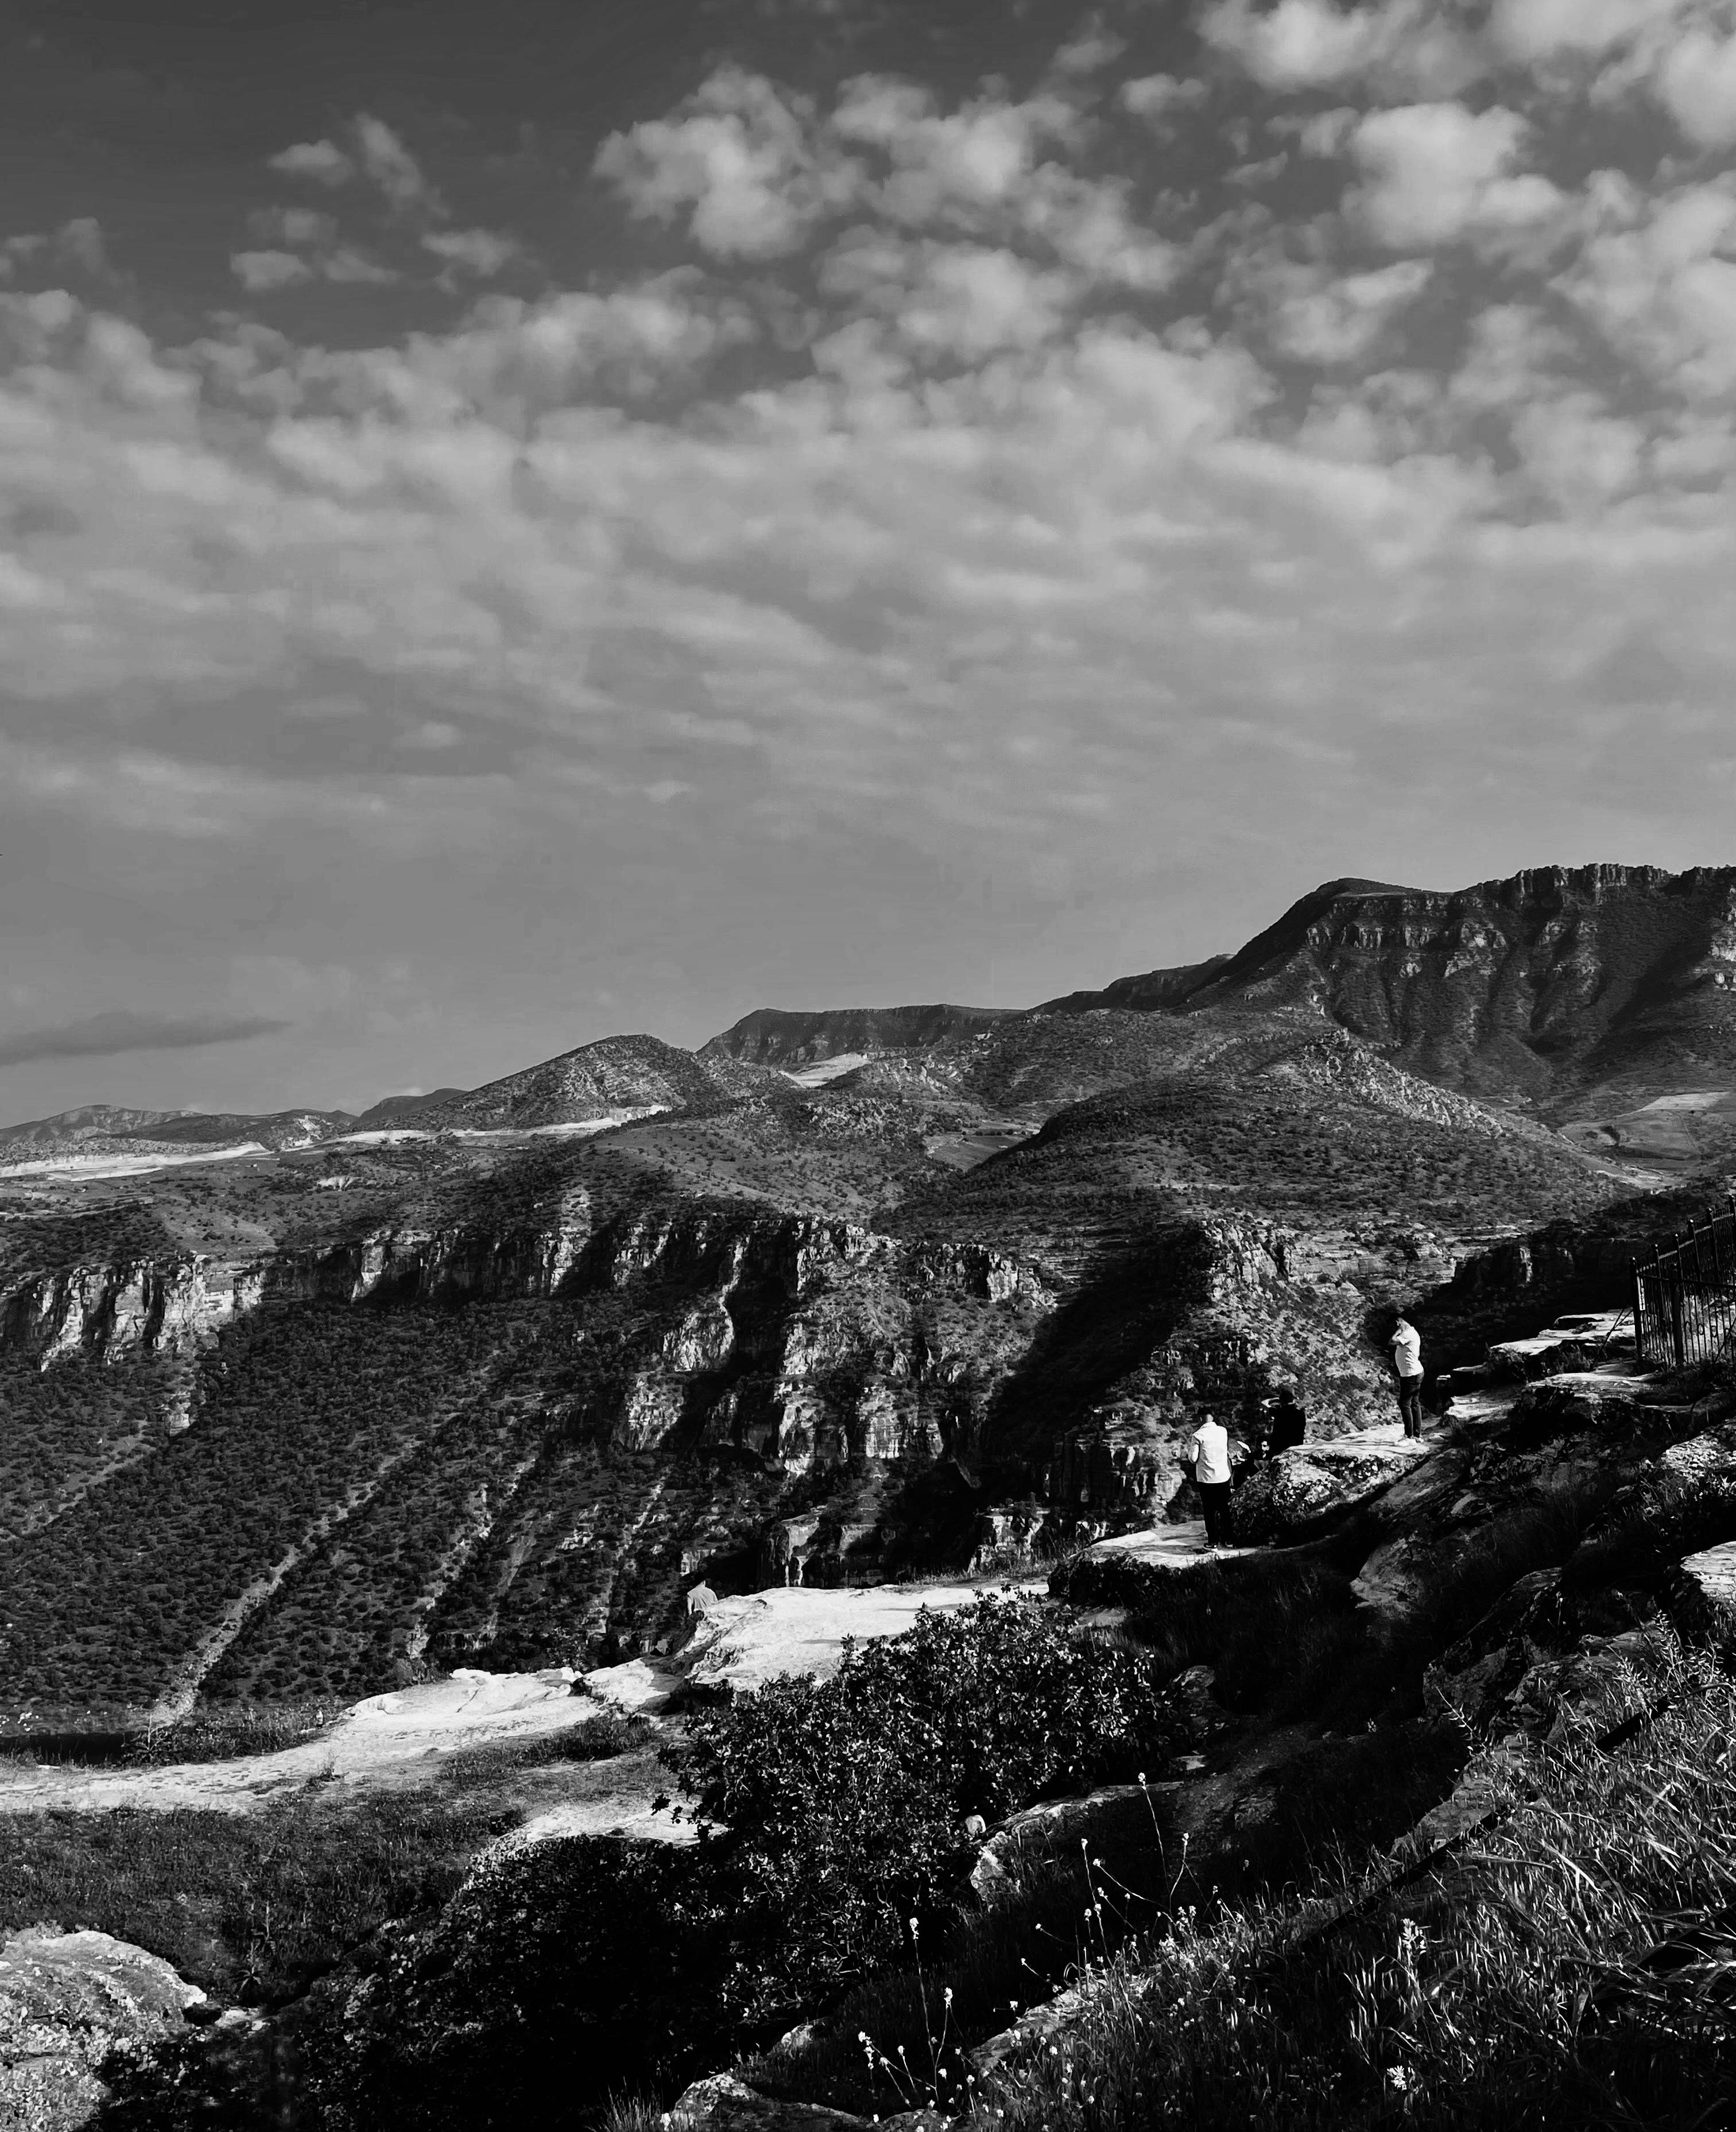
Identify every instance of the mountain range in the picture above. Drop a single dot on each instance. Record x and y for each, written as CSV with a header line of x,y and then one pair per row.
x,y
492,1376
1563,989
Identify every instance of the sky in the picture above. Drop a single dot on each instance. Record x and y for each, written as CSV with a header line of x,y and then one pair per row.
x,y
527,521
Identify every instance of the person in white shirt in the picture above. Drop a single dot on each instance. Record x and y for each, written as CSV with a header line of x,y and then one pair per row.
x,y
1209,1451
1407,1363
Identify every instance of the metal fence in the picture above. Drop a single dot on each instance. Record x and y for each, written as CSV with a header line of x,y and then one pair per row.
x,y
1685,1294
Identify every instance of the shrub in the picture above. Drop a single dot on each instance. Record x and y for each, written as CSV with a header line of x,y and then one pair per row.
x,y
844,1800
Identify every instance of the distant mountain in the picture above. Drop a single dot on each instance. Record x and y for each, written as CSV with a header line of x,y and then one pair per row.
x,y
600,1080
102,1129
39,1137
770,1037
1141,995
1553,981
394,1112
281,1129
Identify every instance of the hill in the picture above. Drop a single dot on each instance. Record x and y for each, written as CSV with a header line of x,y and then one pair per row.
x,y
1554,984
609,1079
769,1037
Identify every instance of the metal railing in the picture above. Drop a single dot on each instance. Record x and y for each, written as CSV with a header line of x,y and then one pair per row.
x,y
1685,1294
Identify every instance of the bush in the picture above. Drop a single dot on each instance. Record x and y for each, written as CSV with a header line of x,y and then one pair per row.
x,y
844,1800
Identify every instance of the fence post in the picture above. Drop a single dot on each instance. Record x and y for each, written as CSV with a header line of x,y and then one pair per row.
x,y
1678,1326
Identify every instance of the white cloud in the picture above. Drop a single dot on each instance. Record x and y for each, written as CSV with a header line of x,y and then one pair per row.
x,y
482,253
1158,96
1656,282
959,301
258,271
1338,319
1094,47
1413,46
1541,29
1433,172
324,162
738,160
386,159
1697,83
963,163
1299,44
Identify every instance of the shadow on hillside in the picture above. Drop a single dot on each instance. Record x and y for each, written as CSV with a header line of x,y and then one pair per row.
x,y
1131,1299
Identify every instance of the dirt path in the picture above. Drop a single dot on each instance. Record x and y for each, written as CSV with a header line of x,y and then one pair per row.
x,y
386,1742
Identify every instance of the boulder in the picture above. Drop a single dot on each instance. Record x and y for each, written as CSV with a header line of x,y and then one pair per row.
x,y
1707,1593
722,2103
1281,1496
71,2003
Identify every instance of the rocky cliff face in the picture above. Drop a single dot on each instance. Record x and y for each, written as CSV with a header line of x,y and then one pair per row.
x,y
114,1310
1555,978
769,1037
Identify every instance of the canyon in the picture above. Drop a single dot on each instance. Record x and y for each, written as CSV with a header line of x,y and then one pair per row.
x,y
491,1377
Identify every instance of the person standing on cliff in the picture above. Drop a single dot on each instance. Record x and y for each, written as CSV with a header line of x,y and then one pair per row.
x,y
1209,1451
1407,1363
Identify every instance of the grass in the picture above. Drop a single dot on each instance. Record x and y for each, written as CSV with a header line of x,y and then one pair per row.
x,y
1570,1965
253,1905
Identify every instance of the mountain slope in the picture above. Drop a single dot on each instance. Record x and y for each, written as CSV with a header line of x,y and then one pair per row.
x,y
770,1037
600,1080
1553,981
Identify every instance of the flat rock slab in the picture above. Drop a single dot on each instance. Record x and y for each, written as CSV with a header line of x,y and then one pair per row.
x,y
69,2003
741,1644
722,2103
1711,1578
1179,1546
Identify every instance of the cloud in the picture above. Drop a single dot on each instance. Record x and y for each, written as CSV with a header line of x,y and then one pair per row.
x,y
1530,29
258,271
1329,320
109,1034
480,252
1160,96
1417,47
1697,84
378,155
386,159
1434,172
738,159
324,162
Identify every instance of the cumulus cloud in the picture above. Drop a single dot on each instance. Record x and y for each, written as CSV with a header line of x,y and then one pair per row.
x,y
324,162
120,1031
1541,29
1333,320
1434,172
385,159
738,160
1697,83
480,252
1160,96
259,272
1418,47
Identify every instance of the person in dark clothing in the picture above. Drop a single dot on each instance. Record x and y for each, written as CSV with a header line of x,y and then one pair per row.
x,y
1289,1423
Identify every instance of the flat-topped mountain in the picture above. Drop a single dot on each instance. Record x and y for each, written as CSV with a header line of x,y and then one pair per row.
x,y
1553,981
769,1037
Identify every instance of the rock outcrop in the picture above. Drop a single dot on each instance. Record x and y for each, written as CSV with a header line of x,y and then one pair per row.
x,y
71,2003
